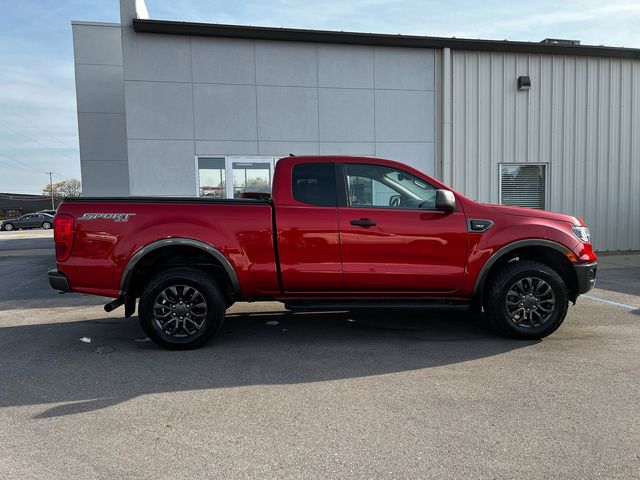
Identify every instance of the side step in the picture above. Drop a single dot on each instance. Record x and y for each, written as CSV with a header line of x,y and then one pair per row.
x,y
320,305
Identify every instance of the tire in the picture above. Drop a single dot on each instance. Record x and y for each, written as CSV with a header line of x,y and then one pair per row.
x,y
46,225
518,303
7,227
160,306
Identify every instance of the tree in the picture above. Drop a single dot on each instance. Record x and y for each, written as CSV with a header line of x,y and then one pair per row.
x,y
65,188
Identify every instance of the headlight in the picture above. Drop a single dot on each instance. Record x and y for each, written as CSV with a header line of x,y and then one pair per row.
x,y
582,233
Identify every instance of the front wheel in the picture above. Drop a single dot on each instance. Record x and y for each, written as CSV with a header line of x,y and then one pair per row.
x,y
46,225
8,227
181,308
526,300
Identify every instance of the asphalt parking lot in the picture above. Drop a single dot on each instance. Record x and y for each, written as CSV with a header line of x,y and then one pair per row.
x,y
331,395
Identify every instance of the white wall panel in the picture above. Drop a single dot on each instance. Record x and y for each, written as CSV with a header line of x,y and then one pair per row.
x,y
581,117
404,68
101,109
404,116
102,136
99,88
96,44
153,57
224,60
287,114
162,167
347,66
159,110
286,64
346,114
225,112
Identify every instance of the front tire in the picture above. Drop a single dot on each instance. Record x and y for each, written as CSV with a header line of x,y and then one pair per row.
x,y
526,300
8,227
181,308
46,225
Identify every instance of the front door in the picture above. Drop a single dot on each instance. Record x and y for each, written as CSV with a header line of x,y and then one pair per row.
x,y
28,221
392,238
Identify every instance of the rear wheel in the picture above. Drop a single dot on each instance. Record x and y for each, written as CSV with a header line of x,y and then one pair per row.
x,y
526,300
8,227
46,225
181,308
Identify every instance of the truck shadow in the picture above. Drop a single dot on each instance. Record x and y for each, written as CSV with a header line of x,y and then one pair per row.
x,y
621,280
48,364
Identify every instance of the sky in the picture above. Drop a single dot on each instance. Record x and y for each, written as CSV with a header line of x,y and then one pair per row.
x,y
38,124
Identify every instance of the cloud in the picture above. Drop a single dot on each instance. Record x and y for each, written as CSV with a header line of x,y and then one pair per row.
x,y
569,16
37,96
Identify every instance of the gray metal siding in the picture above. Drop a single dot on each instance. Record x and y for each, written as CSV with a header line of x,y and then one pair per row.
x,y
581,117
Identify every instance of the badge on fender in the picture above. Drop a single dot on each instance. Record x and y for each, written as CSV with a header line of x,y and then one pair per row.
x,y
116,217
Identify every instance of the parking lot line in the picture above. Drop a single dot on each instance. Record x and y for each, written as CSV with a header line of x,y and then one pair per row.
x,y
610,302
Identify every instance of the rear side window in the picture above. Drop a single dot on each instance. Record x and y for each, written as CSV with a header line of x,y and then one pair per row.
x,y
315,184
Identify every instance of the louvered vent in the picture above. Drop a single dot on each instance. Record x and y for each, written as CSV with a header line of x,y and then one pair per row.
x,y
523,185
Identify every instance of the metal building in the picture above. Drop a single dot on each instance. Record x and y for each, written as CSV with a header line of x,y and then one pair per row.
x,y
178,108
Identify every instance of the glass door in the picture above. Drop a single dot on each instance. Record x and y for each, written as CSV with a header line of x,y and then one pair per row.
x,y
235,177
249,177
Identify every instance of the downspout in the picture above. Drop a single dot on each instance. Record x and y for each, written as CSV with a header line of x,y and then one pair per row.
x,y
447,166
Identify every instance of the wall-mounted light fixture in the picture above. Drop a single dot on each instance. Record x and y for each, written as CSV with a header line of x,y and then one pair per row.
x,y
524,83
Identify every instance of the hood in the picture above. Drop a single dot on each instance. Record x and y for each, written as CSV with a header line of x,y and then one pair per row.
x,y
532,212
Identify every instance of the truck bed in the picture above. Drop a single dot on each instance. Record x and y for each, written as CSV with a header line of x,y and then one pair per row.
x,y
242,230
194,200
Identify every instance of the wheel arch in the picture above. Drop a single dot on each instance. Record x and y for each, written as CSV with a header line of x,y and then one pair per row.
x,y
179,243
548,252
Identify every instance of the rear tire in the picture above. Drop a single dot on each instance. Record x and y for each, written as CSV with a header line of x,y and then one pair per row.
x,y
526,300
46,225
181,308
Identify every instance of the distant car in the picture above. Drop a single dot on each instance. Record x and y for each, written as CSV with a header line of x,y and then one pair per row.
x,y
30,220
48,212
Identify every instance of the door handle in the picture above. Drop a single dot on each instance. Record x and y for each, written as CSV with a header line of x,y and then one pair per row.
x,y
363,222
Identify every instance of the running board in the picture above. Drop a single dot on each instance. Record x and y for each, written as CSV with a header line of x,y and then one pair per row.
x,y
318,305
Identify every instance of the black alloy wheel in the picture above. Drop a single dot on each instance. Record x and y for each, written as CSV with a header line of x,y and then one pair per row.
x,y
181,308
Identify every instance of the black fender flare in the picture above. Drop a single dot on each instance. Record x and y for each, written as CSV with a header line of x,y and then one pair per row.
x,y
188,242
500,253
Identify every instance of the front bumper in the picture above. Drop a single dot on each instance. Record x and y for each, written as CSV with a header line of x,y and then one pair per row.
x,y
58,281
586,275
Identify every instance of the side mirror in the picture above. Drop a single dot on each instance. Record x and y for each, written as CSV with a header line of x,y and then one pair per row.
x,y
445,200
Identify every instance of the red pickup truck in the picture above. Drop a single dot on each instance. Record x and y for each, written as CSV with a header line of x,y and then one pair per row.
x,y
338,233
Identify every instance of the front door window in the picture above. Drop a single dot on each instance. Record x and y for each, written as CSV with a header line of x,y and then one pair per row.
x,y
384,187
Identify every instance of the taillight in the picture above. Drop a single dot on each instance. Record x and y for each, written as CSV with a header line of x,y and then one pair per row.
x,y
63,236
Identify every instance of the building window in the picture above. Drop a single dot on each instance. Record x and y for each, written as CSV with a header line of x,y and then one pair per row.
x,y
523,185
211,177
315,184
